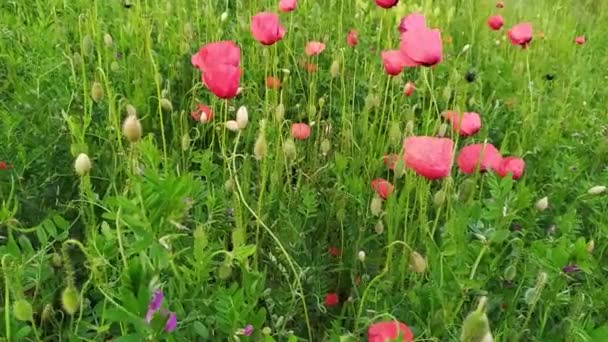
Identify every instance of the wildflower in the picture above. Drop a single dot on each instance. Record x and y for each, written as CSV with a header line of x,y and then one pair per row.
x,y
334,251
520,34
482,157
412,22
222,80
266,28
393,62
466,124
202,114
511,165
390,160
495,22
570,269
222,52
386,3
131,128
389,331
3,165
331,299
421,46
82,164
409,88
314,48
597,190
246,331
300,131
382,187
97,92
287,5
580,40
154,306
352,38
542,204
428,156
273,82
361,256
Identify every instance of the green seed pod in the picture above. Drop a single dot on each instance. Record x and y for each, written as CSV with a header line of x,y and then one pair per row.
x,y
467,189
439,198
289,149
510,272
115,67
107,40
476,326
224,271
394,134
376,206
47,313
22,310
97,92
87,45
325,146
70,300
417,262
260,147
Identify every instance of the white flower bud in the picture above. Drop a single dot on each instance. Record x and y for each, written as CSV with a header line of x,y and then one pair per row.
x,y
82,165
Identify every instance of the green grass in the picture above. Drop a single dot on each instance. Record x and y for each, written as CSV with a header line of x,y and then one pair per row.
x,y
233,240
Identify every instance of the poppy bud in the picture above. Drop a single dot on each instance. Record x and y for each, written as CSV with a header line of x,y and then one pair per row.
x,y
82,165
597,190
321,102
242,117
312,109
417,262
188,31
224,16
590,246
115,67
70,300
232,126
334,70
56,260
409,127
467,189
361,256
443,129
447,94
376,206
266,331
87,44
224,271
22,310
279,112
325,146
530,295
260,147
394,133
542,204
47,313
131,128
97,92
185,142
510,272
289,149
166,105
131,110
379,227
409,88
107,40
76,59
165,92
229,185
439,198
476,325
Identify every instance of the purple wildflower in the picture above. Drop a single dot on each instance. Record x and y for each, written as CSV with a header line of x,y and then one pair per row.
x,y
154,305
570,269
171,322
248,330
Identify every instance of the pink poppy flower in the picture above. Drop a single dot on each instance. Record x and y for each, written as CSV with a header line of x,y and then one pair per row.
x,y
314,48
300,131
202,114
520,34
512,165
495,22
409,88
352,38
580,40
390,160
273,82
386,3
287,5
223,52
393,62
382,187
222,80
331,299
422,46
266,28
429,157
466,124
389,331
311,67
478,156
412,22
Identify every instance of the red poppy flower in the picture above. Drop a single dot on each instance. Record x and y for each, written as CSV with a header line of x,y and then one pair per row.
x,y
300,131
422,46
3,165
202,114
409,88
393,61
273,82
223,52
580,40
314,48
511,165
520,34
266,28
411,22
386,3
331,299
429,157
352,38
334,251
485,157
287,5
382,187
389,331
222,80
390,160
495,22
466,124
311,67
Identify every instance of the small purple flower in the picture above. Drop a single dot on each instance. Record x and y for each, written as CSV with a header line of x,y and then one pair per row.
x,y
154,305
570,269
248,330
171,322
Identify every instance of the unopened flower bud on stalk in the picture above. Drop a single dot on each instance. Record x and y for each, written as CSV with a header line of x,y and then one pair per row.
x,y
376,206
242,117
409,88
224,16
260,147
443,129
394,133
542,204
417,262
289,149
166,105
439,198
70,300
23,311
476,325
361,256
325,146
82,165
107,40
379,227
334,70
232,126
590,246
131,128
597,190
279,112
97,92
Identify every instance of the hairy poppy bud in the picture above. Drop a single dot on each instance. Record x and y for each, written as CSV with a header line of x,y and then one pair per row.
x,y
443,129
166,105
260,147
439,198
590,246
97,92
597,190
376,206
87,44
361,256
334,70
232,126
325,146
394,133
224,271
131,128
242,117
279,112
107,40
47,313
542,204
22,310
289,149
379,227
82,165
476,325
70,299
417,262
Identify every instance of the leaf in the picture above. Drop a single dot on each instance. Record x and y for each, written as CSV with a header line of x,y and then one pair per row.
x,y
50,228
499,236
242,253
130,338
23,333
200,329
